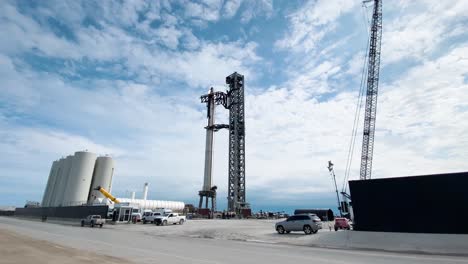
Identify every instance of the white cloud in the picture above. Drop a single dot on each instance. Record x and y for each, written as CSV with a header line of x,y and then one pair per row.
x,y
21,33
169,36
355,64
208,10
257,8
112,43
426,110
422,26
230,8
310,23
203,67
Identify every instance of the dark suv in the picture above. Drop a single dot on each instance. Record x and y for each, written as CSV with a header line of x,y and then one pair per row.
x,y
309,223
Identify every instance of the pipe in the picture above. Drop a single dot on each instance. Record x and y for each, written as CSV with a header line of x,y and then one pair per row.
x,y
107,194
145,191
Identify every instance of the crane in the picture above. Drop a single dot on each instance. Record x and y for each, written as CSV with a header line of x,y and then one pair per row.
x,y
372,90
372,61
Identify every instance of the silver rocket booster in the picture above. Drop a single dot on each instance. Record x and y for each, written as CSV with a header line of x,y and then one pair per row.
x,y
208,180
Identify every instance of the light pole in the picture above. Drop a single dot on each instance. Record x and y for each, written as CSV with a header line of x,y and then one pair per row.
x,y
332,173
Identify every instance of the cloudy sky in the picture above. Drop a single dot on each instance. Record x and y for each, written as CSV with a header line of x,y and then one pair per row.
x,y
124,78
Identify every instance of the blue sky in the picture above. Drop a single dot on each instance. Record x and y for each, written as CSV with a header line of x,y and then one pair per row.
x,y
124,78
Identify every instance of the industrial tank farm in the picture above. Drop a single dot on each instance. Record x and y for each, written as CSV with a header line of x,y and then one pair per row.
x,y
75,180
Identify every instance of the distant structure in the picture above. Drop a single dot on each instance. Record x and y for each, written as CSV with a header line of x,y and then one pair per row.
x,y
145,191
372,91
236,191
233,100
209,191
73,181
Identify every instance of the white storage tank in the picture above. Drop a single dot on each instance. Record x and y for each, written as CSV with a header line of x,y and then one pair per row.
x,y
55,174
60,187
55,186
79,179
50,183
103,173
154,204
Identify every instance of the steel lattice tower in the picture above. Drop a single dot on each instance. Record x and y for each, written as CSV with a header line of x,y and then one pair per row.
x,y
372,91
236,184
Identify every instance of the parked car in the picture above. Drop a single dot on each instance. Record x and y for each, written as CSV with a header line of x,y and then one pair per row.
x,y
309,223
342,223
149,217
93,220
172,218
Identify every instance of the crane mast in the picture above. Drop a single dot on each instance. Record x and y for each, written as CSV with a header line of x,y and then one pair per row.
x,y
372,91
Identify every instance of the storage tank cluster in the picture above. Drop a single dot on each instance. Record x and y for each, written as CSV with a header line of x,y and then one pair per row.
x,y
72,179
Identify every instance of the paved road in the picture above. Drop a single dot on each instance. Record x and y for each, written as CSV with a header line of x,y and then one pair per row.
x,y
144,248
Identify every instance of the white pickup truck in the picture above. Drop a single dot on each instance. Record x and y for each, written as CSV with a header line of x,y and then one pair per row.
x,y
171,218
93,220
150,216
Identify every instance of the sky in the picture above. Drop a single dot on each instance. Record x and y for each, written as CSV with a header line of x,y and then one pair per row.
x,y
124,78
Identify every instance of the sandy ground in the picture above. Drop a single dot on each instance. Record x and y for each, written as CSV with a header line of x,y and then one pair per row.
x,y
241,230
263,232
15,248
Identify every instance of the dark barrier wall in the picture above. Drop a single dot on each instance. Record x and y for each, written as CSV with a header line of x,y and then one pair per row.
x,y
63,212
323,214
7,213
417,204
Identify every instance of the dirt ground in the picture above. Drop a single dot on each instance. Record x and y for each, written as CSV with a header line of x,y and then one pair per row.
x,y
15,248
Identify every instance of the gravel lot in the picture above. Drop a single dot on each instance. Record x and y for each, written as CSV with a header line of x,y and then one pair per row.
x,y
241,230
15,248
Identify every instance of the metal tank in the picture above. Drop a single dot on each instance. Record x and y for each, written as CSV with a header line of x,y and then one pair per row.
x,y
145,191
50,184
50,180
54,186
61,185
154,204
79,179
103,172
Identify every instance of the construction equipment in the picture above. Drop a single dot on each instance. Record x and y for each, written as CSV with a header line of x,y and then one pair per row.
x,y
107,194
372,61
372,90
332,174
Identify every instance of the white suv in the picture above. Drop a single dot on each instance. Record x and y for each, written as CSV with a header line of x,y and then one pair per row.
x,y
309,223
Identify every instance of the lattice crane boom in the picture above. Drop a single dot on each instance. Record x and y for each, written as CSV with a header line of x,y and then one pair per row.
x,y
372,91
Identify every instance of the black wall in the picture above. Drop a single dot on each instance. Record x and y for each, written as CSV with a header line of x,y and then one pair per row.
x,y
418,204
7,213
63,212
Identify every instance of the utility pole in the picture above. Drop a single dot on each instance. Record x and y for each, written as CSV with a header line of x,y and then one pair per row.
x,y
332,174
